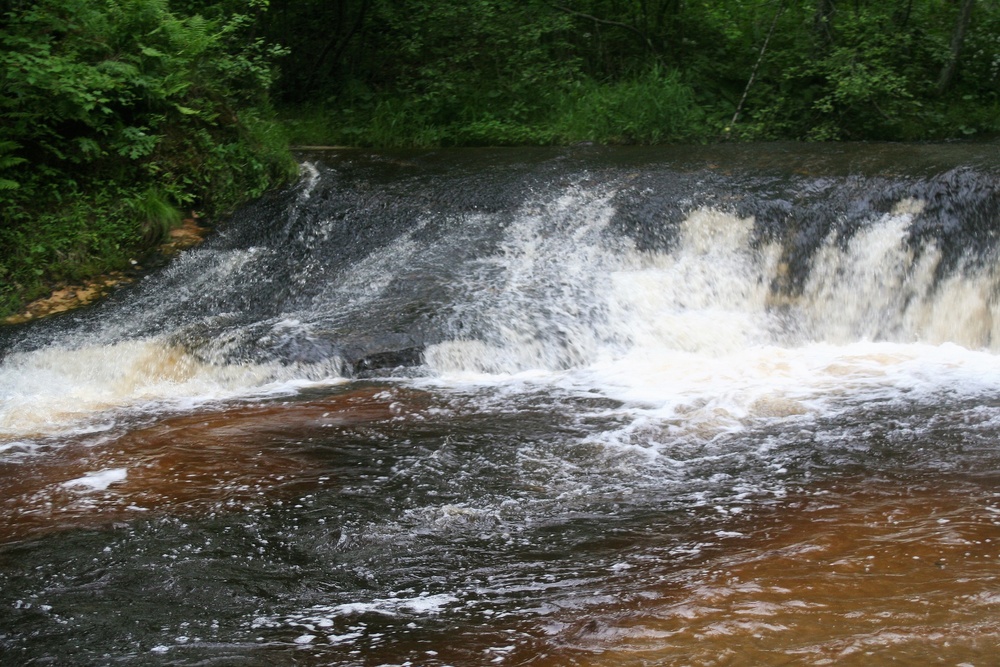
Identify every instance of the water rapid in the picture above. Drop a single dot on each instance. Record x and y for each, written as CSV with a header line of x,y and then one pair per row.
x,y
726,405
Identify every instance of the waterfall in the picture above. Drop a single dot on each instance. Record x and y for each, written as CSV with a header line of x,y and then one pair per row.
x,y
567,268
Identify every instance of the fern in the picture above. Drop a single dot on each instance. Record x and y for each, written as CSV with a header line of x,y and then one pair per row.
x,y
7,161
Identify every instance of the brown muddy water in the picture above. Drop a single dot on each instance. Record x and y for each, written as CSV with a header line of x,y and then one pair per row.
x,y
862,572
687,406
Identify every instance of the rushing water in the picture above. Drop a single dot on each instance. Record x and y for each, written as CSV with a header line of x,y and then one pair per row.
x,y
714,406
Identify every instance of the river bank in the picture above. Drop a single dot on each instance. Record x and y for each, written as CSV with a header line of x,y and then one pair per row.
x,y
67,296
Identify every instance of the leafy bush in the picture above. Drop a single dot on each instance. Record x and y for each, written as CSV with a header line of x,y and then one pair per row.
x,y
653,108
114,116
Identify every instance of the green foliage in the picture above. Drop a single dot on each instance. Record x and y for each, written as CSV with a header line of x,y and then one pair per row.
x,y
118,114
8,160
492,72
873,75
654,108
442,72
860,87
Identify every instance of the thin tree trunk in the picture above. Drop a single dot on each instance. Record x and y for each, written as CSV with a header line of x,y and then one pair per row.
x,y
340,42
753,74
947,77
823,21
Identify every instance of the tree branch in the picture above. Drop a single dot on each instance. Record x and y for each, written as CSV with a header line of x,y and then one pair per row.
x,y
619,24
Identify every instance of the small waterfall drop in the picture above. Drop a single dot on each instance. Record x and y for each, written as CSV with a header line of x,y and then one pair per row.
x,y
541,266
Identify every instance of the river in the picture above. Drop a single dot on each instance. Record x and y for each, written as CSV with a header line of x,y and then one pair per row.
x,y
725,405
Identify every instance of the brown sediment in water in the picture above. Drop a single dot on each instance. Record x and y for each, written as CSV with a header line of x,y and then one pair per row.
x,y
67,296
853,573
229,459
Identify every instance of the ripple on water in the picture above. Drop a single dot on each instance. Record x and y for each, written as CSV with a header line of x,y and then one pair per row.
x,y
856,572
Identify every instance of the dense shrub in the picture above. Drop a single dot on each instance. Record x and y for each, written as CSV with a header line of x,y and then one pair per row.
x,y
116,116
442,72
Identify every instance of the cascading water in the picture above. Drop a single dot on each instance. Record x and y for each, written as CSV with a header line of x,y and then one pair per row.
x,y
729,405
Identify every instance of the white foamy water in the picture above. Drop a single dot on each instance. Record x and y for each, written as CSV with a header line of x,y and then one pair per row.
x,y
695,337
58,389
696,340
98,480
566,294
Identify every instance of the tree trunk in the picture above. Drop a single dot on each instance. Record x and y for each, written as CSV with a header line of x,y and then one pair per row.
x,y
947,77
337,40
823,21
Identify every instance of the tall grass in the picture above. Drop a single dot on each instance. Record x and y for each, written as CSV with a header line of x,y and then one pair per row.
x,y
156,214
